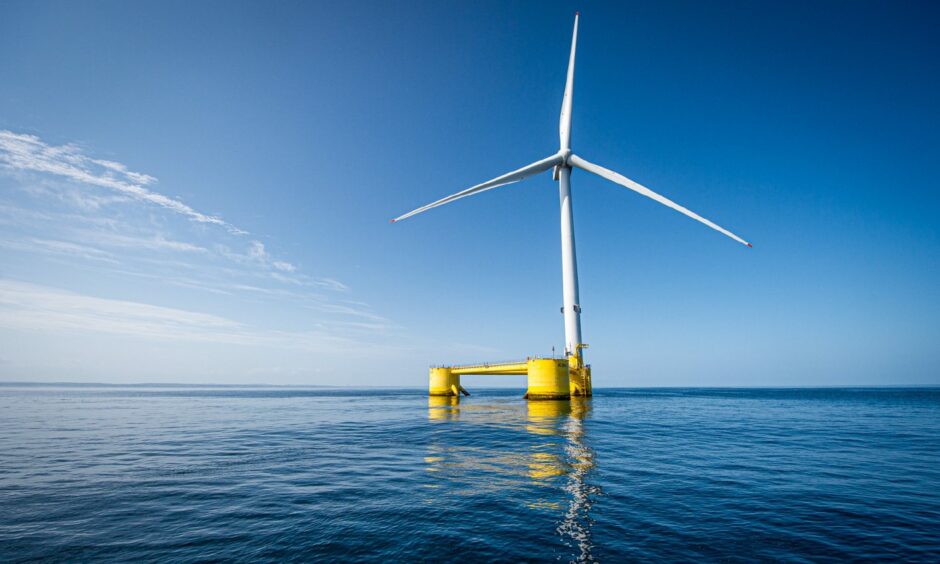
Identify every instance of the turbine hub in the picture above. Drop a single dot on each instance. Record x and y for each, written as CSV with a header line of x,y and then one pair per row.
x,y
556,171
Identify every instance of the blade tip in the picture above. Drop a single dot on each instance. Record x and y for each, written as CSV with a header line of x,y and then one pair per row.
x,y
750,246
391,221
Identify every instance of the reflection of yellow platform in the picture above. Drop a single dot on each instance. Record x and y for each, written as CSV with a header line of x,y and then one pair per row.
x,y
546,417
580,408
548,410
556,418
545,465
552,455
547,378
443,408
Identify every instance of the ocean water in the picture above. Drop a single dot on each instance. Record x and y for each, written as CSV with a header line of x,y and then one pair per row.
x,y
274,474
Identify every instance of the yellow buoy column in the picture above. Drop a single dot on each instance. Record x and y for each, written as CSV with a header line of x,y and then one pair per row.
x,y
443,382
548,379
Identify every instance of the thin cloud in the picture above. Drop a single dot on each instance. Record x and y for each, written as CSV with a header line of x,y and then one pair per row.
x,y
351,311
25,306
30,153
26,153
331,284
279,270
69,218
256,251
157,242
30,306
54,247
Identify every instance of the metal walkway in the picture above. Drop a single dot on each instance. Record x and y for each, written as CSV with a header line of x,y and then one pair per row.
x,y
504,367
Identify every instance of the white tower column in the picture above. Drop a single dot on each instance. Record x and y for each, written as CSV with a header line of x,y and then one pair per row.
x,y
569,266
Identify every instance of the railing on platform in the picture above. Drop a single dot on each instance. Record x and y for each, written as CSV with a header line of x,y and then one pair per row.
x,y
496,363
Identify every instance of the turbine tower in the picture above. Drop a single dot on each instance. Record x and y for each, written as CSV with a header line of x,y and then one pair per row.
x,y
562,163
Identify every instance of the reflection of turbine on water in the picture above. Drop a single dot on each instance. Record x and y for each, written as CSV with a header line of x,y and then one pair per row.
x,y
581,459
458,467
483,466
546,418
565,419
557,460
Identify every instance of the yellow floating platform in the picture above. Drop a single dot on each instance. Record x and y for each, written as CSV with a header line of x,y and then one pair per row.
x,y
548,378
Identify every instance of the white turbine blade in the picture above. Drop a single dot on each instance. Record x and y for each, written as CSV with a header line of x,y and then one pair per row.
x,y
640,189
508,178
564,121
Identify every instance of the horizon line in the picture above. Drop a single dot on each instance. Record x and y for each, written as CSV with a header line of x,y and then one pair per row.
x,y
33,383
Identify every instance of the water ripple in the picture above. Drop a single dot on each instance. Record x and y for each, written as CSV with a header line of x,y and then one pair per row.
x,y
272,474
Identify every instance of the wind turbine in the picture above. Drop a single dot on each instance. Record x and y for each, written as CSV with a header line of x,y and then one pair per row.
x,y
562,163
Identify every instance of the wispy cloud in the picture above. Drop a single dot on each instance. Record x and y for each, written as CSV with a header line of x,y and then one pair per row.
x,y
30,306
30,153
50,246
156,241
331,284
98,215
256,251
25,306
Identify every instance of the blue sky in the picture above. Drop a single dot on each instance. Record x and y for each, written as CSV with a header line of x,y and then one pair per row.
x,y
200,192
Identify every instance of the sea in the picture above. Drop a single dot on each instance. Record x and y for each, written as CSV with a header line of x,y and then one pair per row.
x,y
269,474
